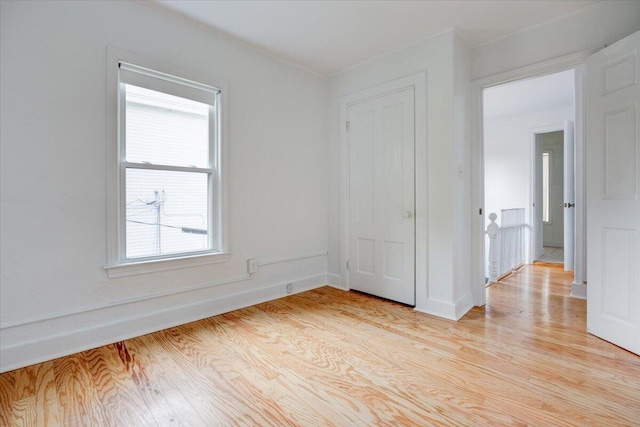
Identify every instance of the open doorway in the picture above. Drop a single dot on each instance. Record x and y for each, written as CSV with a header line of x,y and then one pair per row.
x,y
524,126
549,188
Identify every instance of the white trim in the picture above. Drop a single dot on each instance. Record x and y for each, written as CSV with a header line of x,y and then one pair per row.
x,y
551,66
291,258
534,245
463,305
447,310
153,166
419,83
335,281
78,337
477,151
218,173
146,297
579,290
523,30
130,74
172,263
580,224
395,51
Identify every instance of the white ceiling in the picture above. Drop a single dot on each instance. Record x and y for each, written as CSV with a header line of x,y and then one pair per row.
x,y
525,96
330,36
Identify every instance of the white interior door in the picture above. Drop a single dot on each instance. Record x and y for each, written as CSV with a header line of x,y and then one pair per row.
x,y
381,201
569,195
613,180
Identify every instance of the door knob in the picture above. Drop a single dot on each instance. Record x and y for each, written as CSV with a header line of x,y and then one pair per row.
x,y
408,214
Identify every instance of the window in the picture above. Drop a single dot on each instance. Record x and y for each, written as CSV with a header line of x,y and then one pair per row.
x,y
169,191
546,171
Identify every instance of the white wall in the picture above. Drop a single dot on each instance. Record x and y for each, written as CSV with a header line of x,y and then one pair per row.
x,y
462,169
441,290
589,28
55,297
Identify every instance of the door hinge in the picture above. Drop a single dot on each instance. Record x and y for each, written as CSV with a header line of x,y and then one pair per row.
x,y
480,211
348,126
348,267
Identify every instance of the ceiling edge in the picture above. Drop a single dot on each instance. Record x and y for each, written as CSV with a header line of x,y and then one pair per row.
x,y
219,33
394,51
540,24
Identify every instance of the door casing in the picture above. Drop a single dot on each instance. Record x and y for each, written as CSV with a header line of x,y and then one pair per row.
x,y
477,154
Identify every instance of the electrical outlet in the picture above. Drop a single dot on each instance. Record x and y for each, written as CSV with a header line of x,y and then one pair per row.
x,y
289,288
252,265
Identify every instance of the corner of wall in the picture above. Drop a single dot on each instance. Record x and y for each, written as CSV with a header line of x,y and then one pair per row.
x,y
448,310
462,166
335,281
579,290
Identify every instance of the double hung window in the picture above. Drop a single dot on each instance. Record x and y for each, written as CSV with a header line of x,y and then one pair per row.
x,y
168,167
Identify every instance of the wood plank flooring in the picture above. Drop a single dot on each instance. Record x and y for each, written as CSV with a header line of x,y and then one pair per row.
x,y
328,357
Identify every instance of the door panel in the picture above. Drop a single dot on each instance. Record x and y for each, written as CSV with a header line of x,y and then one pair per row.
x,y
613,208
381,202
620,153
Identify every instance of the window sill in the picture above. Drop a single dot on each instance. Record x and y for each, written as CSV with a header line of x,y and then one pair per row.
x,y
152,266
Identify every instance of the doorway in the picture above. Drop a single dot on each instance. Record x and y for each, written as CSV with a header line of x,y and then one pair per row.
x,y
527,133
380,137
400,204
549,187
608,193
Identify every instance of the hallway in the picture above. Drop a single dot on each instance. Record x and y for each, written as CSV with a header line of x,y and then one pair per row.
x,y
552,255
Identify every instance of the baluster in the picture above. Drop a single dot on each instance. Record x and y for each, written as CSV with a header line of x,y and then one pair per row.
x,y
492,233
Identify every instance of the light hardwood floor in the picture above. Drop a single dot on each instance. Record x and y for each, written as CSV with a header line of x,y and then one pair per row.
x,y
328,357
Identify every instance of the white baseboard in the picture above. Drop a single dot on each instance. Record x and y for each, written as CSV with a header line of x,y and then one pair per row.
x,y
559,244
335,281
463,305
448,310
76,339
579,290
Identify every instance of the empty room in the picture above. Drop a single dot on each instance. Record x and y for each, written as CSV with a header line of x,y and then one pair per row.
x,y
254,213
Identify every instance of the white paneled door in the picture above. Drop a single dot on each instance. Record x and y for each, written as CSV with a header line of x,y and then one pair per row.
x,y
381,139
613,183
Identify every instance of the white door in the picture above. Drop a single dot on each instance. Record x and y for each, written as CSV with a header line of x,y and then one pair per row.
x,y
613,182
569,195
381,200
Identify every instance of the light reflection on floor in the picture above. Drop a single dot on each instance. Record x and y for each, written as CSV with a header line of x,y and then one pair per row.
x,y
551,254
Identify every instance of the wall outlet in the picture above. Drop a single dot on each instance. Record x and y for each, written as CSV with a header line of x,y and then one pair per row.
x,y
252,265
289,288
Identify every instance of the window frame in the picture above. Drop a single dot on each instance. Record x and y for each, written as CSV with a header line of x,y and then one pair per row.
x,y
549,154
117,263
